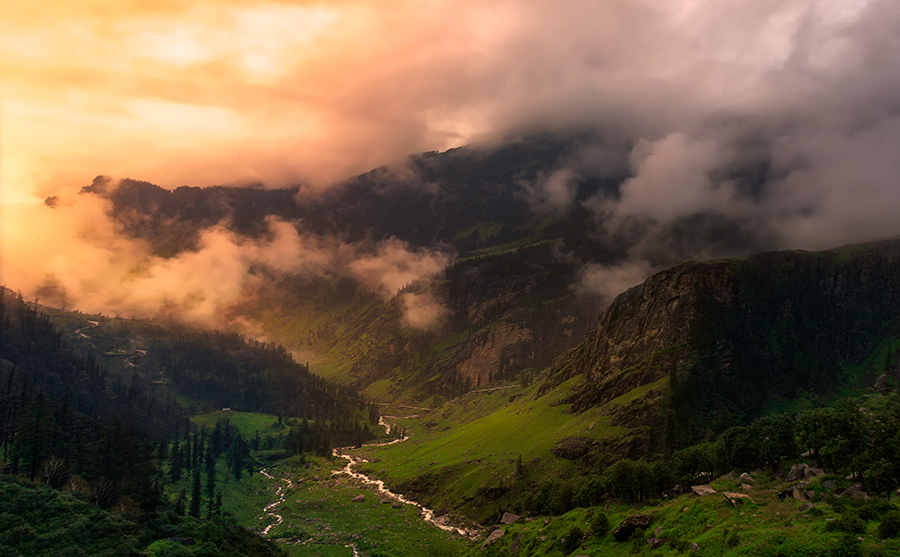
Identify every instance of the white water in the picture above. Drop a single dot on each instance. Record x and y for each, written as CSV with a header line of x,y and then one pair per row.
x,y
426,513
281,494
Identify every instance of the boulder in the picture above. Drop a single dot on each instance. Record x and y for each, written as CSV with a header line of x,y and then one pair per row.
x,y
695,547
735,498
656,543
806,506
702,490
790,493
812,472
854,492
515,545
801,471
509,518
361,498
492,537
630,524
572,448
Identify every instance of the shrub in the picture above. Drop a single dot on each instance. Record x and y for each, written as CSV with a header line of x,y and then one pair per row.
x,y
572,540
849,546
890,525
849,524
600,524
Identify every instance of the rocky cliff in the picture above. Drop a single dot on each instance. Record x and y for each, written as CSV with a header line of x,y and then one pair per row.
x,y
720,339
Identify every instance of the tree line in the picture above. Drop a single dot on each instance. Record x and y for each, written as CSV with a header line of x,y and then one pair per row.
x,y
846,439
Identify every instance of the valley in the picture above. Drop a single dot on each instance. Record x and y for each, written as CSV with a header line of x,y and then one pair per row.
x,y
518,387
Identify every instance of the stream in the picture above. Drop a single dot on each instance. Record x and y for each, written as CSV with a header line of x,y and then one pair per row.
x,y
281,494
426,513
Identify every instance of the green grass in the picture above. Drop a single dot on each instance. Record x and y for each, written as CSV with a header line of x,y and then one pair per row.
x,y
247,423
474,441
319,512
637,393
766,527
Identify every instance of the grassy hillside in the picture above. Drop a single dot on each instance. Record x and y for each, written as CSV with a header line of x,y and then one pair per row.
x,y
481,453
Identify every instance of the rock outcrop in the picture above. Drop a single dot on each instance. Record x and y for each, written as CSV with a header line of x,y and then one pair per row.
x,y
722,337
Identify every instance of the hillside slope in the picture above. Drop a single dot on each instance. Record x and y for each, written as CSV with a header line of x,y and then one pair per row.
x,y
733,336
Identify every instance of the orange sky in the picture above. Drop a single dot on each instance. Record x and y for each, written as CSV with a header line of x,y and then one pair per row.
x,y
222,92
204,92
207,92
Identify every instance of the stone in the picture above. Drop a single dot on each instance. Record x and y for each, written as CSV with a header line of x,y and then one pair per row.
x,y
812,472
695,547
810,494
798,472
509,518
655,543
572,448
746,487
630,524
745,477
702,490
854,492
735,498
492,537
806,506
361,498
515,544
828,484
790,493
396,505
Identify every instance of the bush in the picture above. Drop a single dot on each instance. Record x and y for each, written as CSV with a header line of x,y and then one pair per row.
x,y
849,546
572,540
872,509
890,525
589,492
600,524
848,524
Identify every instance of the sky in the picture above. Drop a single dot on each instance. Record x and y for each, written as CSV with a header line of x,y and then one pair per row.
x,y
190,92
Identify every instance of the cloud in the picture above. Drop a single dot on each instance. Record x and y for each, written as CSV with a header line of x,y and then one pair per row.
x,y
78,258
422,310
610,281
393,266
555,192
671,179
739,124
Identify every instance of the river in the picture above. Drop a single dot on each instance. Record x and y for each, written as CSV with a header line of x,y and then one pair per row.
x,y
426,513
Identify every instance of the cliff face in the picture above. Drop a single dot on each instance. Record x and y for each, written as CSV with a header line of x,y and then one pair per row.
x,y
723,337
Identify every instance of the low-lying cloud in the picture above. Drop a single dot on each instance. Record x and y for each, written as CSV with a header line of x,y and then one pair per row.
x,y
77,258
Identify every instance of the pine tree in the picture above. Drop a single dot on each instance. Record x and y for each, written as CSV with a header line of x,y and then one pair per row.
x,y
175,462
210,480
195,495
